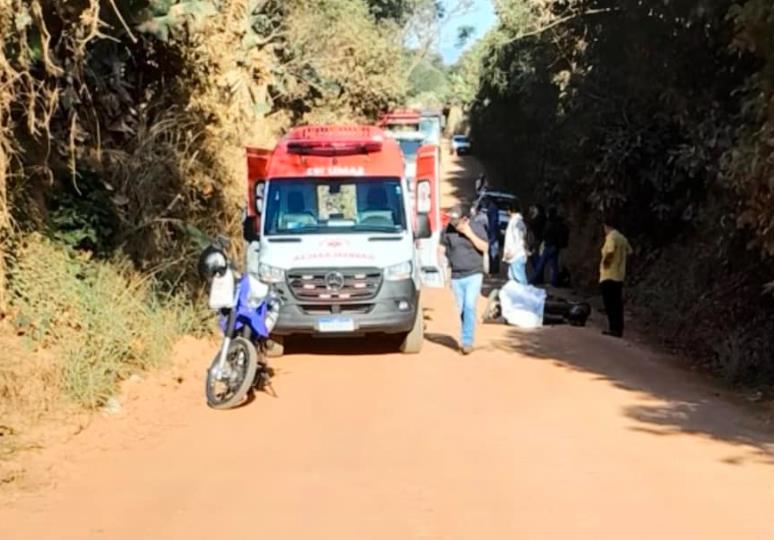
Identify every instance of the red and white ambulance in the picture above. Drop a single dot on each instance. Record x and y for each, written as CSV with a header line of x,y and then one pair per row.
x,y
331,227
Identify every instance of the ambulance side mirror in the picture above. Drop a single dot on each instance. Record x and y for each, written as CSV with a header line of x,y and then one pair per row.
x,y
251,222
423,207
251,228
423,230
258,196
424,202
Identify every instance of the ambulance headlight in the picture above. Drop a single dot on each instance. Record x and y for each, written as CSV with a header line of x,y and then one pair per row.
x,y
271,274
398,272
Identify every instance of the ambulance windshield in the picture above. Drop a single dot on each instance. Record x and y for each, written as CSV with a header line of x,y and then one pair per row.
x,y
334,205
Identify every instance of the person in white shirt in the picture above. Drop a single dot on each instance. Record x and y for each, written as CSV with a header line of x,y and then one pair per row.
x,y
515,252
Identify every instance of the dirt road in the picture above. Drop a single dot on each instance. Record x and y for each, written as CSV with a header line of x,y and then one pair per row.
x,y
557,434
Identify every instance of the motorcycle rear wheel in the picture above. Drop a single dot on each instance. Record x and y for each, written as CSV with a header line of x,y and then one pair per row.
x,y
242,361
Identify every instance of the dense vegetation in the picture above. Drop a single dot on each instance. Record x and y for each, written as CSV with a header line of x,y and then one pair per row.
x,y
662,112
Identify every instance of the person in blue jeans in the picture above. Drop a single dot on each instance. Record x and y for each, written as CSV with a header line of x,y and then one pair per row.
x,y
515,250
493,231
465,245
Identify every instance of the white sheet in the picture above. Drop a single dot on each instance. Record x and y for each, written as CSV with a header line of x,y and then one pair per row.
x,y
522,305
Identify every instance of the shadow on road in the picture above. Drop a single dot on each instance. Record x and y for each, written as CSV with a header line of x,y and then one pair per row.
x,y
689,405
354,346
444,340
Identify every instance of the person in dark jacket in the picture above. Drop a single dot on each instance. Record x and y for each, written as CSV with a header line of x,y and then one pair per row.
x,y
464,243
493,234
553,239
536,224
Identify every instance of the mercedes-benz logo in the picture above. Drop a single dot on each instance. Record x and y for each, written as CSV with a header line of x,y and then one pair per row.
x,y
334,281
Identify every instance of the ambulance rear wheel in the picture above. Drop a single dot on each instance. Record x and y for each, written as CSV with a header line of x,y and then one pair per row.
x,y
412,342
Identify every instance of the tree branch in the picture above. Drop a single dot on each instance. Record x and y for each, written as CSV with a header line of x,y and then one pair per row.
x,y
123,21
271,38
462,7
560,21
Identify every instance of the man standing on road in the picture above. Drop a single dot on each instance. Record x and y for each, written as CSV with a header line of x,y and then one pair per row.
x,y
465,243
536,223
515,249
612,271
493,237
553,235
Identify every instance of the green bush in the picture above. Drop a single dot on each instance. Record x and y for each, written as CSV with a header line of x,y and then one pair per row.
x,y
102,319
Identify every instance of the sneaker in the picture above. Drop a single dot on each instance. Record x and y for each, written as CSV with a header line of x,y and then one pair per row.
x,y
467,349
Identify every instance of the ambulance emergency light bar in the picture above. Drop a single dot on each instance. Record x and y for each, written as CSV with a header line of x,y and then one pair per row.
x,y
334,148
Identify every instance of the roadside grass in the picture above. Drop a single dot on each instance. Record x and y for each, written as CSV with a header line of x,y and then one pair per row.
x,y
30,386
97,321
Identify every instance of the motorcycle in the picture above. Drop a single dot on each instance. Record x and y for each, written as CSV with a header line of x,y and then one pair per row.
x,y
248,312
555,311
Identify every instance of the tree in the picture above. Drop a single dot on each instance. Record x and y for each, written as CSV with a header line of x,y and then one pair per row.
x,y
395,10
342,60
428,20
748,165
146,107
661,111
430,81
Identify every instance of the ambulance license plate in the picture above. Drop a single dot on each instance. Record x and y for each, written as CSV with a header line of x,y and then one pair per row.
x,y
336,324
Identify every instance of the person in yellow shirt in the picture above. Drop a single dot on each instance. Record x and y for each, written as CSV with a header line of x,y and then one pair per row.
x,y
612,272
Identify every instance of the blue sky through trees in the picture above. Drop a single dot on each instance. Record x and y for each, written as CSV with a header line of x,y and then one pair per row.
x,y
481,17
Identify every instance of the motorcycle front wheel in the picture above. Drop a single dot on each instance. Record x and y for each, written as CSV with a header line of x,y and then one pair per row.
x,y
230,388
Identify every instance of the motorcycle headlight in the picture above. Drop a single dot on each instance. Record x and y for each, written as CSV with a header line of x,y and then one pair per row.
x,y
398,272
270,274
258,292
212,262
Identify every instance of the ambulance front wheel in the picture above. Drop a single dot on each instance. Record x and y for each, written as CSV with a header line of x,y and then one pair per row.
x,y
412,342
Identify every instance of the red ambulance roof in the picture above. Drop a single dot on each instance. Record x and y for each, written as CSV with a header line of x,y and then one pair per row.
x,y
336,151
400,117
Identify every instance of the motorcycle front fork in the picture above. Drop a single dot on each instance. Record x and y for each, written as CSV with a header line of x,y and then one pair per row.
x,y
246,332
228,331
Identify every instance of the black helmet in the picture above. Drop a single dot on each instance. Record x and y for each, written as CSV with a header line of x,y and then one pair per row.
x,y
212,262
578,313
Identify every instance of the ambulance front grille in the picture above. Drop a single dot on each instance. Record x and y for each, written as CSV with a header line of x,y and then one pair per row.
x,y
327,285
